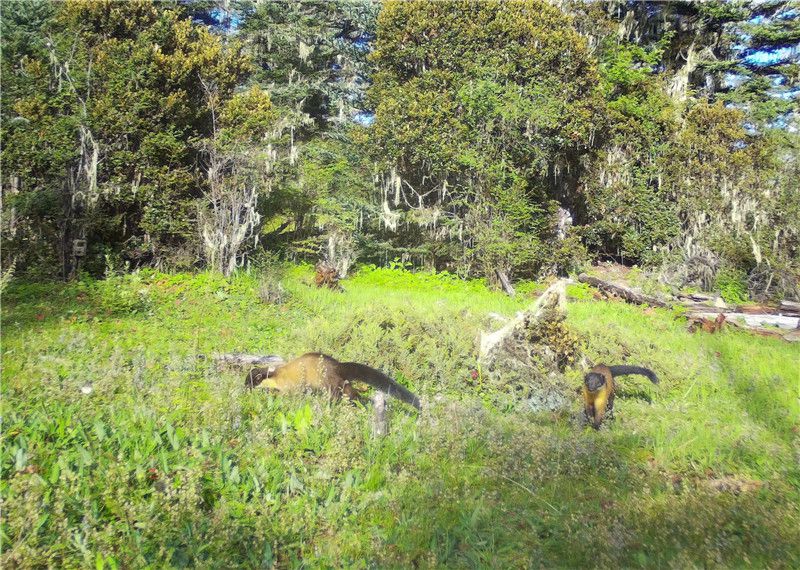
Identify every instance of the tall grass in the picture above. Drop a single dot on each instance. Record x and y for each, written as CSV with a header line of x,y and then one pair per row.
x,y
125,446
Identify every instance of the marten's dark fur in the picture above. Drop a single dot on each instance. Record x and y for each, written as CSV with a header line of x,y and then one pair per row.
x,y
320,372
599,388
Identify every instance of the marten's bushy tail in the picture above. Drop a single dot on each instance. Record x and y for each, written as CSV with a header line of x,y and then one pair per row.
x,y
622,369
379,380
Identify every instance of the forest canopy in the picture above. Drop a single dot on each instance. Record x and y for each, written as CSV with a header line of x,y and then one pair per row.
x,y
514,139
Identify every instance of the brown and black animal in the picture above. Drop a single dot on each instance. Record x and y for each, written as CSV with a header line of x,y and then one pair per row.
x,y
315,371
599,389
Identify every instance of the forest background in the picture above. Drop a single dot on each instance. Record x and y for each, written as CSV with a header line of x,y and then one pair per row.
x,y
457,136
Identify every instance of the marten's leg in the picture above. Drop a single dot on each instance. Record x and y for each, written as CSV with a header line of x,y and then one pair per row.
x,y
588,411
353,394
599,414
325,380
336,391
348,391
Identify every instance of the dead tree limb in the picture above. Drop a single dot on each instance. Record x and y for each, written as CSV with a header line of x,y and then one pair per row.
x,y
697,297
746,320
790,308
239,359
700,308
622,292
505,282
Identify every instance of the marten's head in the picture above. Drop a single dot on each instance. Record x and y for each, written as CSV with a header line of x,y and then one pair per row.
x,y
256,376
594,381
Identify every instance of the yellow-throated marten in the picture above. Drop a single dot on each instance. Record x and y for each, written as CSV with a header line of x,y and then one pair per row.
x,y
320,372
598,389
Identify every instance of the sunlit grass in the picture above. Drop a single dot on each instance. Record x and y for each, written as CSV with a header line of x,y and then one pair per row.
x,y
124,445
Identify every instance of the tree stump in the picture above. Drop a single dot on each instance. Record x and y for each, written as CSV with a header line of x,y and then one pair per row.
x,y
530,353
327,276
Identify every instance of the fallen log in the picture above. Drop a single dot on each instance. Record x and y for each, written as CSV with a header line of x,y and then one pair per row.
x,y
703,321
781,311
793,336
239,359
698,297
755,310
754,321
789,308
773,333
623,292
700,307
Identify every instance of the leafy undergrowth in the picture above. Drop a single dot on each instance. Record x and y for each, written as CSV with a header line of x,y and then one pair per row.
x,y
125,446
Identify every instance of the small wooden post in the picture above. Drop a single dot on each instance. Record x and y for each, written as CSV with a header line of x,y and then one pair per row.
x,y
78,253
380,424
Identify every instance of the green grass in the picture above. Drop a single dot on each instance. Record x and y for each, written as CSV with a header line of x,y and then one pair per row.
x,y
168,461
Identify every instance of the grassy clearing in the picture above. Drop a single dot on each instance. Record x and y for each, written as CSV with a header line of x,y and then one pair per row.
x,y
169,462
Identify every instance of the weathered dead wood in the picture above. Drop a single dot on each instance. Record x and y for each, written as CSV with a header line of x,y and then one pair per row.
x,y
698,297
774,333
554,298
380,423
521,357
505,283
789,308
623,292
755,310
703,320
701,308
239,359
327,276
746,320
707,325
793,336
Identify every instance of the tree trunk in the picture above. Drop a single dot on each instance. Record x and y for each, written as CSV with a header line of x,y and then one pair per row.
x,y
67,228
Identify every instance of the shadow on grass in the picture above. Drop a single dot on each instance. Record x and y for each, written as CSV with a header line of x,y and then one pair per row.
x,y
767,390
579,499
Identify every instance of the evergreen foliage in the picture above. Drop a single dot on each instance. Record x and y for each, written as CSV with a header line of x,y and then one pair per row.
x,y
484,109
666,131
101,126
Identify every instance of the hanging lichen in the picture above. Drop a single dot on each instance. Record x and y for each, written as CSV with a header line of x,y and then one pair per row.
x,y
388,218
90,156
304,51
340,252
